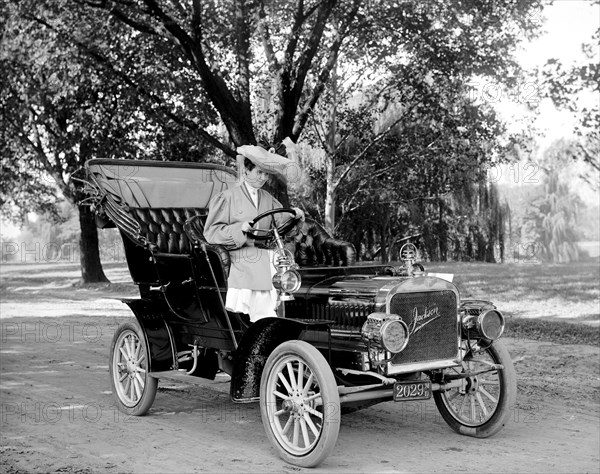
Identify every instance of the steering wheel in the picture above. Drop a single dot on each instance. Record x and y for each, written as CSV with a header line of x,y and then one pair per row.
x,y
266,234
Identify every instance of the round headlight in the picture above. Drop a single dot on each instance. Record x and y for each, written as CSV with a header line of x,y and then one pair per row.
x,y
288,281
490,324
394,335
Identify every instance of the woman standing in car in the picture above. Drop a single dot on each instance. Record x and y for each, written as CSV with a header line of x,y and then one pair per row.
x,y
250,290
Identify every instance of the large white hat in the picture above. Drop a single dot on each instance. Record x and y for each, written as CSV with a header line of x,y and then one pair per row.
x,y
265,160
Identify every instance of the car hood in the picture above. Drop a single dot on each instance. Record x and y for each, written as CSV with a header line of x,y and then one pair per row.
x,y
362,284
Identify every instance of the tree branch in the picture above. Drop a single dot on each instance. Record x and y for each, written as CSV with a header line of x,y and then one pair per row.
x,y
196,21
242,51
323,13
377,139
302,116
120,15
105,63
299,19
265,35
38,149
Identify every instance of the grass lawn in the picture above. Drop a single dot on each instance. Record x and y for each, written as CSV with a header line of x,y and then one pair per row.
x,y
564,292
550,302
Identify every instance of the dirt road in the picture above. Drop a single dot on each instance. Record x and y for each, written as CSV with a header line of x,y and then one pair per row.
x,y
57,414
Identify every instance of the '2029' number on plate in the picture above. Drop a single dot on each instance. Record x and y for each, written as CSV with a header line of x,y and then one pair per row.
x,y
412,391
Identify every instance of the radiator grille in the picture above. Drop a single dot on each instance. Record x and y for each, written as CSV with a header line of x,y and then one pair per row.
x,y
431,319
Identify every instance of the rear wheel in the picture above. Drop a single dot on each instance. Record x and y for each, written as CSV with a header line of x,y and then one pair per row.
x,y
482,404
133,388
300,404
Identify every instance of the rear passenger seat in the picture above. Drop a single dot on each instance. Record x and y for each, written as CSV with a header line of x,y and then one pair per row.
x,y
163,227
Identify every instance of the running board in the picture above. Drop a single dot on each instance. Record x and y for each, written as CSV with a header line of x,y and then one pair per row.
x,y
182,376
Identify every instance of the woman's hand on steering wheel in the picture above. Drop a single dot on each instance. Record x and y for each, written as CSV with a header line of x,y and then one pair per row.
x,y
246,226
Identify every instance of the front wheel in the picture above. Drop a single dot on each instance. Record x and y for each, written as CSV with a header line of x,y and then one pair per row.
x,y
482,404
133,388
300,404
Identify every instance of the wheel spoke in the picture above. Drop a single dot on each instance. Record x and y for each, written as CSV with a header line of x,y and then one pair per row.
x,y
127,385
312,426
488,394
292,375
131,391
139,378
280,395
287,426
472,402
490,382
139,361
314,412
299,385
312,397
122,377
285,382
130,345
137,350
134,390
304,432
296,432
462,405
308,385
122,350
482,405
138,389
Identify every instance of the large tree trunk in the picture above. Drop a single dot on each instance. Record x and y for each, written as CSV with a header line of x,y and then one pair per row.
x,y
91,267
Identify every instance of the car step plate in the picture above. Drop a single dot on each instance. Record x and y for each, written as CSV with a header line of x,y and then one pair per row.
x,y
415,390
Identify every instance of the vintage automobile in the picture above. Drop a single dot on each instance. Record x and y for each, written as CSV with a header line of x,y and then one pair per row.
x,y
348,335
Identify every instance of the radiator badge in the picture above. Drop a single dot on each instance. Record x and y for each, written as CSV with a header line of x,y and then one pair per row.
x,y
420,320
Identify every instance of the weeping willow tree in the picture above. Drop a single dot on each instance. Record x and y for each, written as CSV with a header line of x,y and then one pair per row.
x,y
552,218
470,225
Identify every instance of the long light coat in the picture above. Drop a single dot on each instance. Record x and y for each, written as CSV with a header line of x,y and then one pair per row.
x,y
250,265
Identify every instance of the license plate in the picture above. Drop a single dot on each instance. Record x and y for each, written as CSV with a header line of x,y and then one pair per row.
x,y
420,390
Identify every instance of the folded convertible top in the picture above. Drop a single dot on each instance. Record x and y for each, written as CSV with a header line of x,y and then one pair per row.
x,y
159,184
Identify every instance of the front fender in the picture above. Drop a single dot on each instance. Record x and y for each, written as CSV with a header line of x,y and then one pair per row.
x,y
254,349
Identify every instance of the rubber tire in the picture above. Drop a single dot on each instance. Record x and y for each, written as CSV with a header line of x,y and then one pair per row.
x,y
331,399
150,383
506,400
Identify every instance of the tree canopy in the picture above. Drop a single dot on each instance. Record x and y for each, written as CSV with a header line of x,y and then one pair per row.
x,y
173,79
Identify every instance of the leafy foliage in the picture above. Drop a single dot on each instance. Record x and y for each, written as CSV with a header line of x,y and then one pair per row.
x,y
173,80
576,89
552,217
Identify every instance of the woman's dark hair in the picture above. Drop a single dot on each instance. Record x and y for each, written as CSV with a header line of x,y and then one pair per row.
x,y
248,164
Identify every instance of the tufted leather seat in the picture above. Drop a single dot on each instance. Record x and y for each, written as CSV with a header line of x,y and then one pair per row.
x,y
314,246
311,245
163,227
194,228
